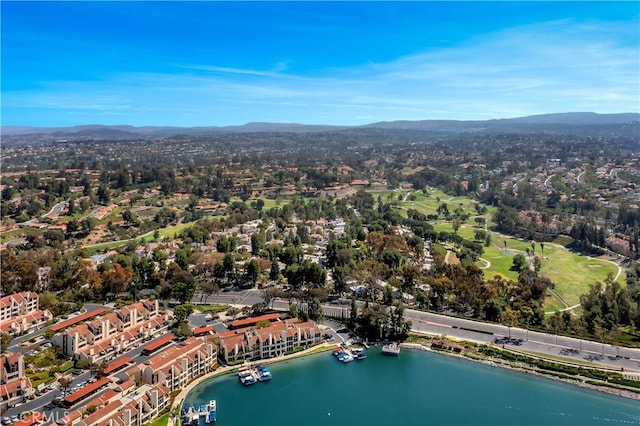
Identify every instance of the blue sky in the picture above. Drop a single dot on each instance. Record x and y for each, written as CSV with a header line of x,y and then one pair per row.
x,y
228,63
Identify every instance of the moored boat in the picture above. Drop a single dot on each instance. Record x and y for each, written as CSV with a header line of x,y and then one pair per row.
x,y
263,373
359,354
212,417
246,377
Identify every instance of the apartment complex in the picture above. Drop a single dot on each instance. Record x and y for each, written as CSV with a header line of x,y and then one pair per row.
x,y
178,364
123,405
276,339
106,336
14,385
19,313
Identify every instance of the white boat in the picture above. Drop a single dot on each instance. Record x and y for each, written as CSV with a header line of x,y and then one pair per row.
x,y
391,349
211,416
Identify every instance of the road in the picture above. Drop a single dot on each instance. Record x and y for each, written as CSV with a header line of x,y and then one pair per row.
x,y
465,329
57,209
581,176
15,345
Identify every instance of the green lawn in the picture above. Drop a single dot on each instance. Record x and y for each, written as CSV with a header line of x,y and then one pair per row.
x,y
161,421
570,272
169,232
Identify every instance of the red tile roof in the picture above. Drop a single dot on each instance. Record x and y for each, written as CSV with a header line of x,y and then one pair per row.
x,y
207,329
71,321
34,419
163,341
77,396
254,320
115,365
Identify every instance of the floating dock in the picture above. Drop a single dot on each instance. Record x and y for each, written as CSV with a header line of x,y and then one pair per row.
x,y
391,349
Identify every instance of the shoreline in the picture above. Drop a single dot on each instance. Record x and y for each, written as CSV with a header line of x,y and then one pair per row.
x,y
499,364
325,347
179,399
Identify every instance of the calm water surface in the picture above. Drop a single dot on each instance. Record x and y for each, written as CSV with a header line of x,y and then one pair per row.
x,y
416,388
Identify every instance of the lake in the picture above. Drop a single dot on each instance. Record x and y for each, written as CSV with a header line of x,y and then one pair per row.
x,y
415,388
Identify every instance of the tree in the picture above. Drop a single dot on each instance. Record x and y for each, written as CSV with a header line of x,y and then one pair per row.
x,y
103,194
233,312
315,310
182,312
209,288
519,263
117,279
510,318
252,271
5,340
183,292
274,270
258,241
65,382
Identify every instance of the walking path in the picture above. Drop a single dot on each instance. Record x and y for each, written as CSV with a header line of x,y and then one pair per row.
x,y
486,265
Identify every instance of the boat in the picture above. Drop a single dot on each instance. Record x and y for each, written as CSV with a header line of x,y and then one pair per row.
x,y
347,358
246,377
211,417
263,373
391,349
359,354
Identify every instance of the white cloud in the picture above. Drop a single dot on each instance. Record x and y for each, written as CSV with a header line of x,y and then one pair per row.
x,y
555,66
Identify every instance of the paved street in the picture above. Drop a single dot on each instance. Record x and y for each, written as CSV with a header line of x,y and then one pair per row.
x,y
465,329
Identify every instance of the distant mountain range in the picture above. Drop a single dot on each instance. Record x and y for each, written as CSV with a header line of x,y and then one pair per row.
x,y
574,123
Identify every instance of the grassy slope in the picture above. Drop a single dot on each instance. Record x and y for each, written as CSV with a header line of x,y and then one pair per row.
x,y
571,272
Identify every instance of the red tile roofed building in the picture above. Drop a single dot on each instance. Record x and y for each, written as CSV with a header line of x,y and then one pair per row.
x,y
15,387
71,418
72,321
116,332
177,365
158,344
117,365
277,339
253,320
359,182
85,392
140,406
19,313
206,330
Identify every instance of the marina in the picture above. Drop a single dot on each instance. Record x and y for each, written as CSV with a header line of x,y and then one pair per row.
x,y
192,415
345,354
251,375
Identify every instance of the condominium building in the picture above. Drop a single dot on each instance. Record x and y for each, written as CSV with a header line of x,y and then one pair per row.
x,y
106,336
14,385
125,405
177,365
276,339
19,313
